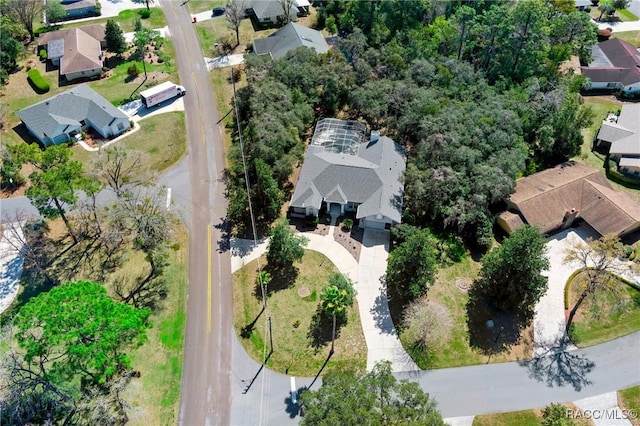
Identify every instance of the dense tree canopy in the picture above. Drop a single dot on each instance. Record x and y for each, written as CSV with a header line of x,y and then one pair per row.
x,y
472,89
375,398
411,267
511,276
72,344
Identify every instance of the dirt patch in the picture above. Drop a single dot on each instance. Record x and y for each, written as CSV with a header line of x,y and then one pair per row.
x,y
152,78
304,291
464,284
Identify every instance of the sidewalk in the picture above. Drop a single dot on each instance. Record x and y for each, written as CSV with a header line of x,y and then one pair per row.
x,y
379,332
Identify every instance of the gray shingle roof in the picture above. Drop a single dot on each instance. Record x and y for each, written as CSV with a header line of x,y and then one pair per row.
x,y
290,37
371,178
69,108
269,8
625,134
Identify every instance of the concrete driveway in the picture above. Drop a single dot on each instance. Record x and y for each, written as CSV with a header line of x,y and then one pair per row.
x,y
549,320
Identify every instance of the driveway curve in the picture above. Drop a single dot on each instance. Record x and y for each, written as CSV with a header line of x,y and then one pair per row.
x,y
379,331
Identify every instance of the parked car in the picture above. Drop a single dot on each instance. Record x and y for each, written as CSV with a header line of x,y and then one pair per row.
x,y
218,11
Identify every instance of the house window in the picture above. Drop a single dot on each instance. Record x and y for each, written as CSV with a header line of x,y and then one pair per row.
x,y
268,18
611,85
120,126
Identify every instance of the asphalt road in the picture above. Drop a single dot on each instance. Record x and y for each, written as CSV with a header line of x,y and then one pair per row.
x,y
206,396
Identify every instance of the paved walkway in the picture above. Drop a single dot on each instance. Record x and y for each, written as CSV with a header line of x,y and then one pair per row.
x,y
10,265
603,410
379,332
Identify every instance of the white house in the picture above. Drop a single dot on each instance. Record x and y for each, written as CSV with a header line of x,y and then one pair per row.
x,y
344,173
622,136
59,118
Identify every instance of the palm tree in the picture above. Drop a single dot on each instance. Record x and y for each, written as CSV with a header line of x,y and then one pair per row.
x,y
336,297
263,279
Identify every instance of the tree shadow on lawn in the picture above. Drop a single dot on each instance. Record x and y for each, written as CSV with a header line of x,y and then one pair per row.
x,y
321,327
507,325
281,279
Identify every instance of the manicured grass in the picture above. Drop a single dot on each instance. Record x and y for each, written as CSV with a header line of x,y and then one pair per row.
x,y
118,90
196,6
125,18
606,316
161,137
629,399
515,418
631,37
155,396
626,15
291,317
526,418
213,31
454,349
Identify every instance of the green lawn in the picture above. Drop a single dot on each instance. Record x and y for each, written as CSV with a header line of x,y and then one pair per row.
x,y
601,106
213,31
126,19
196,6
515,418
161,137
629,399
631,37
291,312
605,317
155,396
626,15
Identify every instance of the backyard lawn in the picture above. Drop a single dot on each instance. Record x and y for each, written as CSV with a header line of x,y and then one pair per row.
x,y
631,37
126,19
605,316
291,310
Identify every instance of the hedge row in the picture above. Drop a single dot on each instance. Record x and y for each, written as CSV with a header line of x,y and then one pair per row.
x,y
38,81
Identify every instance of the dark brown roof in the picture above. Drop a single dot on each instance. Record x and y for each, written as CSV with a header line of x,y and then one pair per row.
x,y
544,197
608,210
620,53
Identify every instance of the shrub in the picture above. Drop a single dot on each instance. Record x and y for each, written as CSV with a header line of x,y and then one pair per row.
x,y
98,10
296,323
37,81
137,25
628,251
43,54
311,220
133,71
144,13
347,223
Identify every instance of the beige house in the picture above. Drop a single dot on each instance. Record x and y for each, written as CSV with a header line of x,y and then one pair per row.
x,y
553,199
77,52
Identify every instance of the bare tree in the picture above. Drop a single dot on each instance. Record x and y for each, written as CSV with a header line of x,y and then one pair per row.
x,y
234,14
26,233
426,324
599,259
25,11
120,168
287,5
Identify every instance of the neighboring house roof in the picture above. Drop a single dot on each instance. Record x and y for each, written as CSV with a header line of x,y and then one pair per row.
x,y
614,60
290,37
82,52
583,3
624,135
269,8
629,162
608,210
95,30
78,4
369,176
69,109
544,198
81,47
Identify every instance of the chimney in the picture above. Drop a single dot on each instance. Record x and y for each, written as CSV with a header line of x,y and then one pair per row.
x,y
569,217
